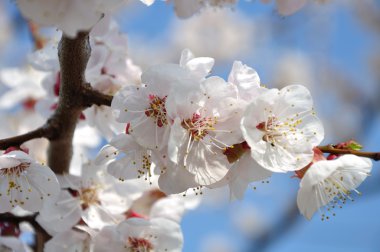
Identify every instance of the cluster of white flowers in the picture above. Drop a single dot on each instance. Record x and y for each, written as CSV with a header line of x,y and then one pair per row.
x,y
196,131
184,132
173,131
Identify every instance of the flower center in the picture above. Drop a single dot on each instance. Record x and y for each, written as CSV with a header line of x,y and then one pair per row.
x,y
199,127
89,196
16,170
157,110
144,171
138,245
274,129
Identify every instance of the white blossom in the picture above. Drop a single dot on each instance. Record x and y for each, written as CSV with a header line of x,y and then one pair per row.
x,y
138,234
204,125
143,108
328,184
281,128
68,241
25,183
95,197
24,86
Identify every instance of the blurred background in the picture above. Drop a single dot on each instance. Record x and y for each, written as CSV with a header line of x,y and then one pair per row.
x,y
332,47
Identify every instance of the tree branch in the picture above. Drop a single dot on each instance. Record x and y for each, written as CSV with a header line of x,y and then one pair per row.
x,y
75,95
94,97
73,57
46,131
330,149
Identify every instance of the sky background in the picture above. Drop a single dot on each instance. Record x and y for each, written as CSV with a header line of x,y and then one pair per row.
x,y
331,48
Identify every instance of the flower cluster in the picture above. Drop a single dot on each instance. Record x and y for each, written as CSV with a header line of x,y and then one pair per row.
x,y
196,131
173,130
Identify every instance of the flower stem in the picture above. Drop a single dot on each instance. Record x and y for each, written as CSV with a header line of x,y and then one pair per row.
x,y
330,149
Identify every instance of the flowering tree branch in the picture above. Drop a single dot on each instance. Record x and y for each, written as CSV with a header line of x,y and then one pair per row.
x,y
75,95
73,57
46,131
94,97
332,150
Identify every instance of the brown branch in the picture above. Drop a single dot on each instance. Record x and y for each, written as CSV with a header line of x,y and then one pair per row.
x,y
73,57
46,131
75,95
330,149
94,97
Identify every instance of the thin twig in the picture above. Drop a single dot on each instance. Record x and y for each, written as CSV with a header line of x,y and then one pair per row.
x,y
330,149
94,97
46,131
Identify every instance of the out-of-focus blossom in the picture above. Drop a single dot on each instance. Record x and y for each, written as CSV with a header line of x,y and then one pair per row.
x,y
294,68
138,234
248,220
70,16
13,244
289,7
24,86
187,8
221,34
95,197
68,241
217,243
5,27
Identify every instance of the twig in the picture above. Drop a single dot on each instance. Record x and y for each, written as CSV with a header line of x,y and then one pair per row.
x,y
46,131
39,41
330,149
94,97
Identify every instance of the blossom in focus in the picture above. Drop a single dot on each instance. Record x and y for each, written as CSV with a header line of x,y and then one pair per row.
x,y
281,128
328,184
203,127
25,183
143,108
